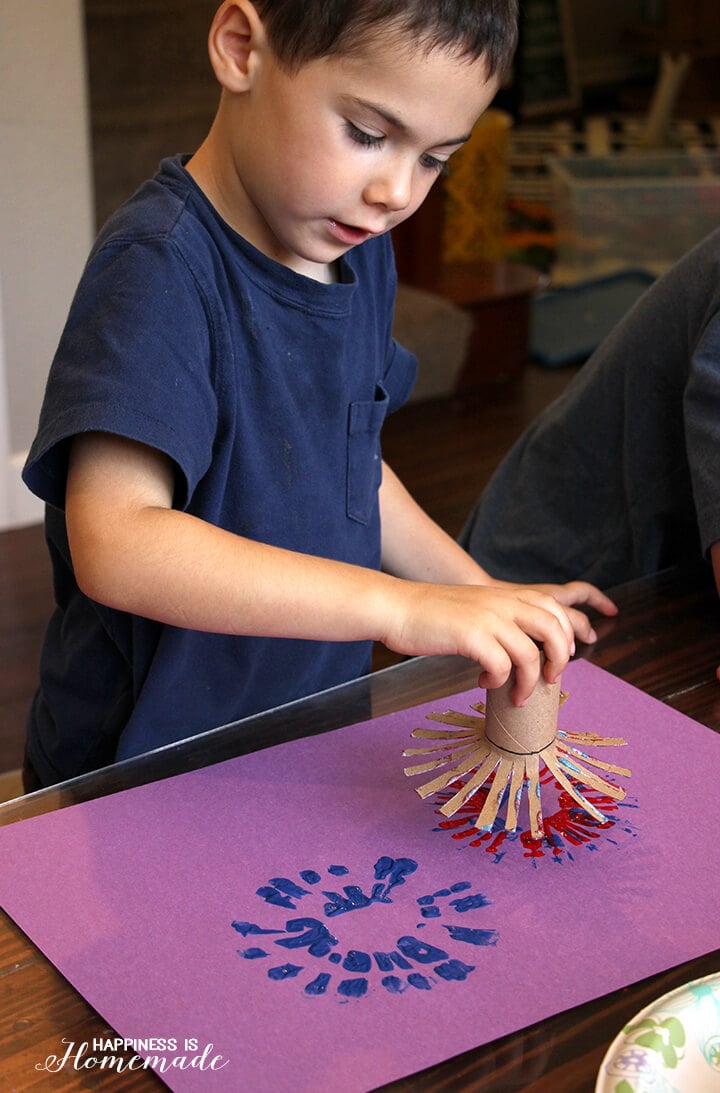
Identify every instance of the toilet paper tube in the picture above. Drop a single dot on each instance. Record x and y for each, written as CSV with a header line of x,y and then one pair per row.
x,y
522,730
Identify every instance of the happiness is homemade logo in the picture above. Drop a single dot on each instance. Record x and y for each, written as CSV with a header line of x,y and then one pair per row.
x,y
120,1055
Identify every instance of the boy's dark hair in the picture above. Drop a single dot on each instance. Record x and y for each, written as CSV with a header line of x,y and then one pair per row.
x,y
304,30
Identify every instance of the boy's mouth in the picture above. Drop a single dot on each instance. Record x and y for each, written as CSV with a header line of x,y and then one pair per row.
x,y
347,234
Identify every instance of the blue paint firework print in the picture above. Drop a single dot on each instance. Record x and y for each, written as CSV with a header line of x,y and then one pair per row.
x,y
316,947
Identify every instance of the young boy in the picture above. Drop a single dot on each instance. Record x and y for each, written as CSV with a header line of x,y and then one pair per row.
x,y
224,535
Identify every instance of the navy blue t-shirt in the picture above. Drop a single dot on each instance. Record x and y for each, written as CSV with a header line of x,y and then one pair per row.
x,y
267,390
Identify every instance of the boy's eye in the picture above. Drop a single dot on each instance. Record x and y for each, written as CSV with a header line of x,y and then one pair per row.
x,y
360,136
375,140
432,163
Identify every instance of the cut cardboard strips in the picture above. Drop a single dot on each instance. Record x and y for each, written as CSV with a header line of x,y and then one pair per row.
x,y
503,750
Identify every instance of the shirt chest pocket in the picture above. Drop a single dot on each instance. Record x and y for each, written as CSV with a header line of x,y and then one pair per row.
x,y
364,462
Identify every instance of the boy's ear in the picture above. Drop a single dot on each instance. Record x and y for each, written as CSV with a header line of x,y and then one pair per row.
x,y
236,38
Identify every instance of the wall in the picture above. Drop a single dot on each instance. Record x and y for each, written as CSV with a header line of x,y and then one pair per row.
x,y
152,90
599,30
46,221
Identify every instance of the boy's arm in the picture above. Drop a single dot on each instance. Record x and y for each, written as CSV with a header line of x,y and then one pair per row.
x,y
415,547
132,551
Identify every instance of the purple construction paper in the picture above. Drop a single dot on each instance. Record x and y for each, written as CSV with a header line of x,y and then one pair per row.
x,y
304,920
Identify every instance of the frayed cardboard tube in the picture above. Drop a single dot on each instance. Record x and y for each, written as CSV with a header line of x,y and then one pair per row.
x,y
522,730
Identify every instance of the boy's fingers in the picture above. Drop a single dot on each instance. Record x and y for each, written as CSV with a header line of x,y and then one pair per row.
x,y
582,592
552,634
602,603
496,667
576,592
512,650
541,628
525,682
582,626
509,630
527,676
523,655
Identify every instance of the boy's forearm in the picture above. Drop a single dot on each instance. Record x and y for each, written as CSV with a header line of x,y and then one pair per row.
x,y
132,551
415,547
172,567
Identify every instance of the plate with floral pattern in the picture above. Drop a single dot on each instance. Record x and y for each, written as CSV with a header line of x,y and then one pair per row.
x,y
671,1046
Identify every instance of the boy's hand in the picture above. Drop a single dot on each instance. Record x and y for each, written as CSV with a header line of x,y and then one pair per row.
x,y
450,604
576,592
499,627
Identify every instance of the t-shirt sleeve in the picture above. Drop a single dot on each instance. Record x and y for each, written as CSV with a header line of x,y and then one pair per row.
x,y
134,360
400,375
400,365
702,430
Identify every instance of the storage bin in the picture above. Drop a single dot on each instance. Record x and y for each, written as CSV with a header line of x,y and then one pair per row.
x,y
644,209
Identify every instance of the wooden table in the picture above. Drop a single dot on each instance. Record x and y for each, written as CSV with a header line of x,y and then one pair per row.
x,y
665,641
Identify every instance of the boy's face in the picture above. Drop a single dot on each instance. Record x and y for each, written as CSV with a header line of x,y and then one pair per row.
x,y
319,160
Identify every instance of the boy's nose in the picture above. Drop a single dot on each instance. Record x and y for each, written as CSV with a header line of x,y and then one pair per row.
x,y
391,189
